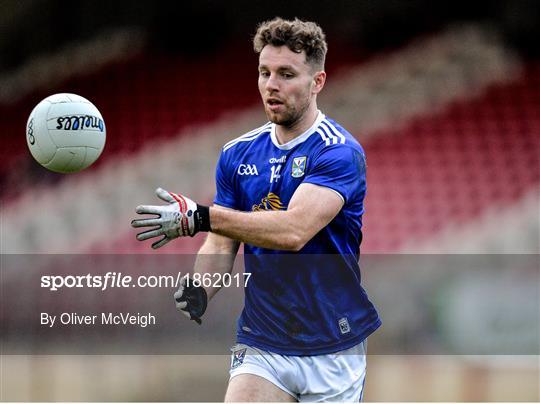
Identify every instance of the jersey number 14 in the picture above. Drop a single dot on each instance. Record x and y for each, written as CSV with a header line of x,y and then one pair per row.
x,y
275,173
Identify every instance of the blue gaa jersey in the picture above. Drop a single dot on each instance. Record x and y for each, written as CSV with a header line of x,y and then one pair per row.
x,y
309,302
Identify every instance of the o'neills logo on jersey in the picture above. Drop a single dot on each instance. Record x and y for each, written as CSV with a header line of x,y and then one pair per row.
x,y
275,160
247,169
269,202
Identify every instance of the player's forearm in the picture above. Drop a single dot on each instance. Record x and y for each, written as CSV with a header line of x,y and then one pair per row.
x,y
214,259
278,230
213,264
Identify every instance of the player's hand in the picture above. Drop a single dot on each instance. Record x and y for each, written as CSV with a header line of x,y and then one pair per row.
x,y
181,217
191,300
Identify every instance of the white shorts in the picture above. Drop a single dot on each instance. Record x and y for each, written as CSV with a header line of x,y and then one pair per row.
x,y
333,377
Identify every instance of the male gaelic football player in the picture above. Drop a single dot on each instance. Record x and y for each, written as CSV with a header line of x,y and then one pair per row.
x,y
291,189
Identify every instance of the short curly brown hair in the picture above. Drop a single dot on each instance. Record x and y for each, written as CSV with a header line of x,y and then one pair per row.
x,y
297,35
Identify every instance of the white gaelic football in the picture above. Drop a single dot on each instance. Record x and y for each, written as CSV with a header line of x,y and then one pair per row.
x,y
65,133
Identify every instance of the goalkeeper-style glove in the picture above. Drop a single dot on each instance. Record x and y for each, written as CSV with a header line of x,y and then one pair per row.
x,y
181,217
191,300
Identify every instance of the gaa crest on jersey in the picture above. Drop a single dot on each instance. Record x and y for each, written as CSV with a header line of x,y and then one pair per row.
x,y
298,167
238,358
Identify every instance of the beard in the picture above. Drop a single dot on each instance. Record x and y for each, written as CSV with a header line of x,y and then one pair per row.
x,y
289,116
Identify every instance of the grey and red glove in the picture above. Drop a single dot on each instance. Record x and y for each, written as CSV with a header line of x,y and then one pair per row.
x,y
181,217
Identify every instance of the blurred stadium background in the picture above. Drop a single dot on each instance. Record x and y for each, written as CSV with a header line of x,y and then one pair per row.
x,y
445,98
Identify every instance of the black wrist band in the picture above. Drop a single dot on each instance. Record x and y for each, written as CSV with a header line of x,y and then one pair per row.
x,y
202,218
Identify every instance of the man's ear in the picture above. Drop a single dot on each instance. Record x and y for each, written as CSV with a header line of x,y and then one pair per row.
x,y
318,81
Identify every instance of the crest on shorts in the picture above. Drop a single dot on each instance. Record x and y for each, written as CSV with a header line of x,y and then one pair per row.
x,y
238,358
298,166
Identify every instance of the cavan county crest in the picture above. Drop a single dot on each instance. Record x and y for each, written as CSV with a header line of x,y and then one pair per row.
x,y
238,358
299,166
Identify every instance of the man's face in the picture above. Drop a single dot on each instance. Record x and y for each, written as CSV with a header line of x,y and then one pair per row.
x,y
286,83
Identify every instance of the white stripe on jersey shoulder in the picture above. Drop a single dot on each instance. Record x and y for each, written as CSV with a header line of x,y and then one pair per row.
x,y
334,135
248,136
330,138
323,136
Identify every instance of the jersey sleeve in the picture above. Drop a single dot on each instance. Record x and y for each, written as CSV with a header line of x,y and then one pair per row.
x,y
225,195
342,169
